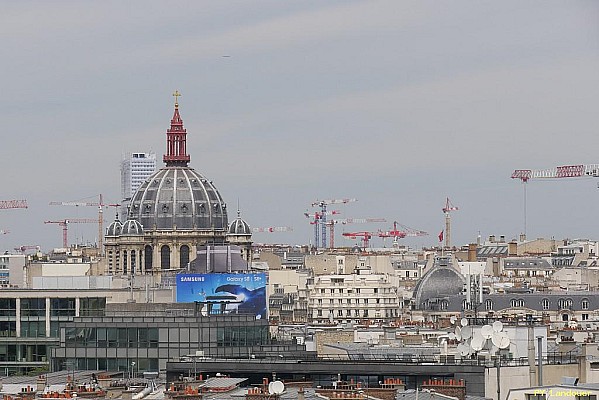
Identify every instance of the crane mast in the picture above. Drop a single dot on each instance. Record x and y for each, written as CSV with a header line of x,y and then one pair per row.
x,y
323,218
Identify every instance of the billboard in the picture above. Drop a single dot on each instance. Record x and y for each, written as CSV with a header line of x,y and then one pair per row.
x,y
224,293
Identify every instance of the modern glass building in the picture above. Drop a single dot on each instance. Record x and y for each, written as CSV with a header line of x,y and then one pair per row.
x,y
117,343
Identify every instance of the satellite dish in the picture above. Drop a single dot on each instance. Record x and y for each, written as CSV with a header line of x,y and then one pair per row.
x,y
500,340
276,387
497,326
452,319
466,332
463,349
558,340
464,322
452,336
486,331
477,343
458,333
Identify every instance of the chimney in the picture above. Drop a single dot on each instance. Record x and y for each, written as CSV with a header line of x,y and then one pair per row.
x,y
448,387
300,393
512,249
502,239
492,238
523,237
472,252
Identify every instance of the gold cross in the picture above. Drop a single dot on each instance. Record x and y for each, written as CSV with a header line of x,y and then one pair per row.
x,y
176,94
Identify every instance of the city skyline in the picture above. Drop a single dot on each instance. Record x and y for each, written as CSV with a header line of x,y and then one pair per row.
x,y
396,104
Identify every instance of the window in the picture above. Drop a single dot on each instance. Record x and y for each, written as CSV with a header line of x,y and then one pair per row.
x,y
184,256
148,257
165,257
586,397
536,396
545,304
488,304
585,304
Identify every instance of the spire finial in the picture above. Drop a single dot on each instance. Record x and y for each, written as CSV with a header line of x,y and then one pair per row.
x,y
176,95
238,210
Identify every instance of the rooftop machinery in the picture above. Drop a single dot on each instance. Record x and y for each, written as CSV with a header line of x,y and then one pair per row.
x,y
323,218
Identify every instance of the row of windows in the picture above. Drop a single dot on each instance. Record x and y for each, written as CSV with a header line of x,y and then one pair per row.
x,y
111,337
107,364
129,260
63,307
545,304
358,301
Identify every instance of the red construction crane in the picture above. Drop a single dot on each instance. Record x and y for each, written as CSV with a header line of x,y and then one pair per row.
x,y
100,219
331,224
65,223
273,229
365,237
316,218
323,220
6,204
25,248
447,211
400,233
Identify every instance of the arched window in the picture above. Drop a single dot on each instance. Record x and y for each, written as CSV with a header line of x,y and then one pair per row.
x,y
165,257
488,304
520,302
561,304
184,256
584,304
133,261
545,304
444,304
125,262
464,304
148,257
513,303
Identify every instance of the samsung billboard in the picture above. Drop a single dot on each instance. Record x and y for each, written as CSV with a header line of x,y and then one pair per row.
x,y
224,293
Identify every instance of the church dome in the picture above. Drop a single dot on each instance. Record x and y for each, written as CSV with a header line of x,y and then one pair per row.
x,y
440,282
114,229
239,227
177,197
132,228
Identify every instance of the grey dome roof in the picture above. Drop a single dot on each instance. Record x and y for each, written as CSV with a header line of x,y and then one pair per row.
x,y
114,229
440,282
179,198
239,227
132,227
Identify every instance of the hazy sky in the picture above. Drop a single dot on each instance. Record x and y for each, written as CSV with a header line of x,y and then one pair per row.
x,y
396,103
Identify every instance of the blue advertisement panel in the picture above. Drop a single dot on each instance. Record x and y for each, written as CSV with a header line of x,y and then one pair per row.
x,y
224,293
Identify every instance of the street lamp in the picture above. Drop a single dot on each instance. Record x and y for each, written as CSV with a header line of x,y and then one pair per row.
x,y
132,375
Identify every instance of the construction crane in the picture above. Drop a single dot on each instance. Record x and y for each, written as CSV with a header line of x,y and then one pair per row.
x,y
100,204
447,211
25,248
6,204
272,229
400,231
365,237
345,221
564,171
65,224
316,218
323,219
